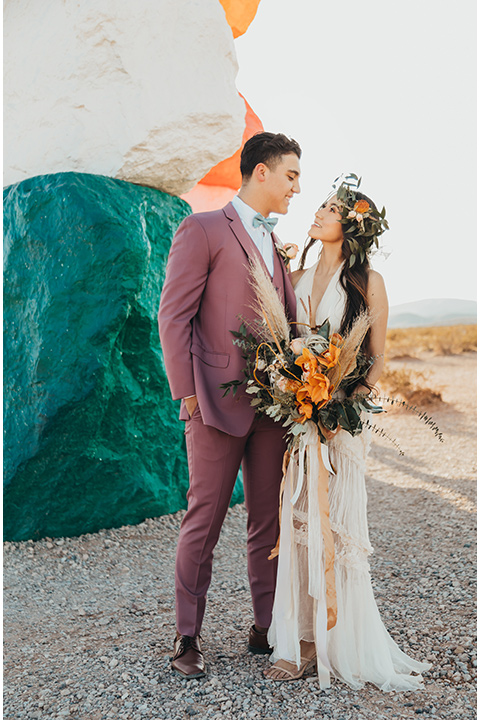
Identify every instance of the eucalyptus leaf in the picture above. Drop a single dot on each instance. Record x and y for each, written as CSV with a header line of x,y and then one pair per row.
x,y
297,429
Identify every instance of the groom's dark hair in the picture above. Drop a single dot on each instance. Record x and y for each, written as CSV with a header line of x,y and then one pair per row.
x,y
267,148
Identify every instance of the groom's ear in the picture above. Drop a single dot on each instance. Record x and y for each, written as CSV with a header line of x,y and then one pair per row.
x,y
260,172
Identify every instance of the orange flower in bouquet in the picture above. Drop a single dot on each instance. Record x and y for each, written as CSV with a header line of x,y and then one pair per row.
x,y
320,389
329,358
305,407
317,390
307,361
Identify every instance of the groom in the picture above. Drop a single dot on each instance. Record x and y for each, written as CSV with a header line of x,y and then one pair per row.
x,y
206,294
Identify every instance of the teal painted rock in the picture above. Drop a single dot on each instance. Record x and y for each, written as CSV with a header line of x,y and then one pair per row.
x,y
92,437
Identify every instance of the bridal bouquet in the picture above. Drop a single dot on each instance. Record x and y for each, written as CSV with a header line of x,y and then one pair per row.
x,y
301,381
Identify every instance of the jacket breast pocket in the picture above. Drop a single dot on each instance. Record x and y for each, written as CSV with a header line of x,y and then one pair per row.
x,y
220,360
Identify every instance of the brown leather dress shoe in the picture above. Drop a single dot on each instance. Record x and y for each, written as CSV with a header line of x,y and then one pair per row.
x,y
257,642
188,658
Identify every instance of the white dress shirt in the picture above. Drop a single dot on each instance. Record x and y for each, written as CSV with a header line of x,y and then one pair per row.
x,y
260,235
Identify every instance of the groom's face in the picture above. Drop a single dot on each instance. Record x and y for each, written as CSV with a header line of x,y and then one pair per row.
x,y
281,182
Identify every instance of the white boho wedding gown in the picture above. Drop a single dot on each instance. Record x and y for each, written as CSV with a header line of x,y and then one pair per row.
x,y
358,649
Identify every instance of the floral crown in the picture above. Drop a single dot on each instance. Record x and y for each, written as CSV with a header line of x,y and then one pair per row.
x,y
363,223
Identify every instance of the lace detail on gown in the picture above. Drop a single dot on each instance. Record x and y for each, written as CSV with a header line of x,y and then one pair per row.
x,y
300,526
358,649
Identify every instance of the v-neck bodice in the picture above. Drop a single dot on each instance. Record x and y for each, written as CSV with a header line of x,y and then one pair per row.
x,y
331,307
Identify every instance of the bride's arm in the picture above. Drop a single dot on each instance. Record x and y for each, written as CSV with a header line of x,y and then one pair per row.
x,y
378,306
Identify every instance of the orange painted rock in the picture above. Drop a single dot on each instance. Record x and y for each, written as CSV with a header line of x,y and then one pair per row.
x,y
240,14
227,172
219,186
208,197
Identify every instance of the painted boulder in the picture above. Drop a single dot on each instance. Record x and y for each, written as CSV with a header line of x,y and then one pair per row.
x,y
92,437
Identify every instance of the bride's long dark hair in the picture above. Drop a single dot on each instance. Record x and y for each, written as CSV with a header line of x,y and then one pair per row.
x,y
354,279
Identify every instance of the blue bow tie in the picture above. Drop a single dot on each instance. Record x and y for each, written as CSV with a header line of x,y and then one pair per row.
x,y
268,223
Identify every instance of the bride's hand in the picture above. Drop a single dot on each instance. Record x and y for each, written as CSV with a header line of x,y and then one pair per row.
x,y
329,434
361,390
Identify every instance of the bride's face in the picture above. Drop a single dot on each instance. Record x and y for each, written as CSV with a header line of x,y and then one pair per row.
x,y
327,226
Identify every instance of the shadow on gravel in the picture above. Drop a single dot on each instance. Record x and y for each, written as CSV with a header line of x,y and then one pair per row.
x,y
445,488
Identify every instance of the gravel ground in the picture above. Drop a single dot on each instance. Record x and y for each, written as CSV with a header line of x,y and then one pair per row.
x,y
89,621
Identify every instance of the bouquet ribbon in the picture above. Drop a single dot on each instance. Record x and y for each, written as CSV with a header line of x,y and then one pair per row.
x,y
316,454
329,549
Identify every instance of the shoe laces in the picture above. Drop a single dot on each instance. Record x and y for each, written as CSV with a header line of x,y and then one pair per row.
x,y
187,642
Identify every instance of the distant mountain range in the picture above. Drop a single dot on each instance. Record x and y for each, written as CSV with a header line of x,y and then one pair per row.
x,y
425,313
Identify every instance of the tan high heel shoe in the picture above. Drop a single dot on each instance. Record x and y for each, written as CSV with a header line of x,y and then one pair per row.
x,y
291,670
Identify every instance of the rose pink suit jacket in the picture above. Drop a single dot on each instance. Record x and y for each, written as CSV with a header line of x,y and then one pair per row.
x,y
205,295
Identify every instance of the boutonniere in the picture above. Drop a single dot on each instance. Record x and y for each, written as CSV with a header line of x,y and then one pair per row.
x,y
287,252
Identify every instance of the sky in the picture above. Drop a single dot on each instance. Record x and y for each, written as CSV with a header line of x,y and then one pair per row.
x,y
386,90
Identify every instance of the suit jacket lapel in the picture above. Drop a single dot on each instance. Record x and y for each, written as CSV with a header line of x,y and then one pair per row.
x,y
278,279
290,299
236,226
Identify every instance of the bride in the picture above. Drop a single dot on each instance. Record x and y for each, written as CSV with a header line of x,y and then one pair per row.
x,y
358,648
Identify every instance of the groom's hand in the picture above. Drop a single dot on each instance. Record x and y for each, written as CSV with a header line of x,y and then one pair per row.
x,y
191,403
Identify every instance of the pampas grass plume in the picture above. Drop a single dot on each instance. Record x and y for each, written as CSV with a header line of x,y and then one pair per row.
x,y
348,354
269,305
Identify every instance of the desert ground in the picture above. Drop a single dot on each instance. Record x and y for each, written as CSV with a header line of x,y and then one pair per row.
x,y
89,621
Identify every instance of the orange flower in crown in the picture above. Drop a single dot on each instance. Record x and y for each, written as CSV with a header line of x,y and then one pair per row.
x,y
361,206
363,223
360,211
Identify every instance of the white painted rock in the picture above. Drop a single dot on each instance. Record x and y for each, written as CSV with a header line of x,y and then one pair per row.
x,y
142,91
